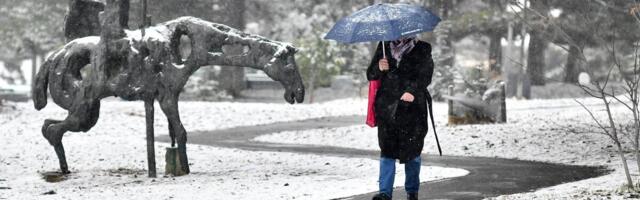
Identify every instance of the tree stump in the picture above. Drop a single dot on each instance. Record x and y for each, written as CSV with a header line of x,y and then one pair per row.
x,y
173,166
488,108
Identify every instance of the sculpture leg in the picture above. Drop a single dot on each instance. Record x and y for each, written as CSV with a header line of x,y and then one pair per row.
x,y
54,137
172,134
62,159
170,108
81,118
45,126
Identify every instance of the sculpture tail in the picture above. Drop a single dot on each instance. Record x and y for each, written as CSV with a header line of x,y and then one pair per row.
x,y
40,85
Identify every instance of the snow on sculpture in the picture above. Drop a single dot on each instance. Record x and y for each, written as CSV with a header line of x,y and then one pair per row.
x,y
131,66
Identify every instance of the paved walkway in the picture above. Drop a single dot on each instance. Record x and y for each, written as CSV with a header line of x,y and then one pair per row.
x,y
488,177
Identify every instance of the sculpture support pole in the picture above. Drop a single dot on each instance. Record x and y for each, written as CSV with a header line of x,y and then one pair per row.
x,y
151,154
144,18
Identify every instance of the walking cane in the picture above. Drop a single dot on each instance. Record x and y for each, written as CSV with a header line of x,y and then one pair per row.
x,y
433,124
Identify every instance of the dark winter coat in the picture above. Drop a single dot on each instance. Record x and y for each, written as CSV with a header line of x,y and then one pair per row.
x,y
402,125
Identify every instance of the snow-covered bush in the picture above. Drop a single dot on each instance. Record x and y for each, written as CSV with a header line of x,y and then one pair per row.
x,y
444,72
318,60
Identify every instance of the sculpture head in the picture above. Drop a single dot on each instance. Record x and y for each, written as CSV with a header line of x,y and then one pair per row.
x,y
230,47
283,68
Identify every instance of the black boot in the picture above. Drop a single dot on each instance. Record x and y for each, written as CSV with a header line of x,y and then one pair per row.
x,y
381,196
412,196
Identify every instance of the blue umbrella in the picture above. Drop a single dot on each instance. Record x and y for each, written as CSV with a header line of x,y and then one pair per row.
x,y
383,22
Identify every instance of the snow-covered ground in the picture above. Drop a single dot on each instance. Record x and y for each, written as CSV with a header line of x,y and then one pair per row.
x,y
109,161
537,130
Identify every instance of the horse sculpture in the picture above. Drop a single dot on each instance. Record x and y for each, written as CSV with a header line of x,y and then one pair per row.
x,y
149,67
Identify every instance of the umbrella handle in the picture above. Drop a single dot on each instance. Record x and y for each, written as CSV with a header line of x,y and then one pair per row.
x,y
384,53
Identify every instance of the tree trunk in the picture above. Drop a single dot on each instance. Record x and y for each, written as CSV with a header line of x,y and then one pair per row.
x,y
34,65
633,93
495,55
231,78
523,34
495,39
636,119
624,164
614,134
33,50
82,19
124,14
447,44
572,67
536,58
510,69
526,86
537,45
312,81
637,152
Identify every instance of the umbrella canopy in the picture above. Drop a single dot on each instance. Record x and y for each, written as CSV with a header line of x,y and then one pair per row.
x,y
383,22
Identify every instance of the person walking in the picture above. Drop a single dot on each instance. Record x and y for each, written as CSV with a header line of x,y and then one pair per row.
x,y
400,109
399,74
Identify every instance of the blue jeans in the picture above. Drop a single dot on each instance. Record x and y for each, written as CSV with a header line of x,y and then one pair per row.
x,y
388,172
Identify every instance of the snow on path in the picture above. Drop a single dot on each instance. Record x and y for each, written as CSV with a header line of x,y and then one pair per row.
x,y
537,130
530,135
109,161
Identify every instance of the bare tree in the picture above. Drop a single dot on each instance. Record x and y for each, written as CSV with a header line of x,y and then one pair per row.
x,y
615,129
608,128
631,80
